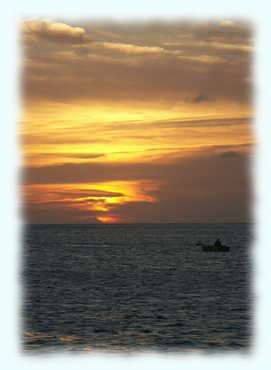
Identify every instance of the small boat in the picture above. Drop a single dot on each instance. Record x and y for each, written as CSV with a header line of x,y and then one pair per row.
x,y
214,247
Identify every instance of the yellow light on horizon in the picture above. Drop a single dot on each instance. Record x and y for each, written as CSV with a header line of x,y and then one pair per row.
x,y
98,197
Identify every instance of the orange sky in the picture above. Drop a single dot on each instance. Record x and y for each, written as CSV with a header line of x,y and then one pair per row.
x,y
136,123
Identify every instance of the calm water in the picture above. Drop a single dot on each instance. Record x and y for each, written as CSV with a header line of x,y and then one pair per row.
x,y
135,287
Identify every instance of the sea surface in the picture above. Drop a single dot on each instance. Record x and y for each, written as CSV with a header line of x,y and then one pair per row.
x,y
135,288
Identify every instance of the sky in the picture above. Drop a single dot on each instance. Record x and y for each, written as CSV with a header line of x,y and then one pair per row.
x,y
136,122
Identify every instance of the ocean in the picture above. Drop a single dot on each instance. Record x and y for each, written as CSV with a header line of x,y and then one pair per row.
x,y
144,287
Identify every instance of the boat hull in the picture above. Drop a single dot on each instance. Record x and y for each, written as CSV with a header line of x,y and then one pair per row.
x,y
212,248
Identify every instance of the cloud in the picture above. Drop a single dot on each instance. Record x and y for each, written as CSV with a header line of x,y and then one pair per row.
x,y
73,155
62,195
200,98
229,154
163,64
227,23
131,49
205,187
53,31
96,193
56,213
108,74
122,171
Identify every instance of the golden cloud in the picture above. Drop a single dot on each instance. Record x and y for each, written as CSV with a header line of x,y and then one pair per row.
x,y
131,48
53,31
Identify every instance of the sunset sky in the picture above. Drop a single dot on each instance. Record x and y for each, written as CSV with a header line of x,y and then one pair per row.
x,y
134,123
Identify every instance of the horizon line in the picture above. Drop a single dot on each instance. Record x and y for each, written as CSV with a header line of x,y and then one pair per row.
x,y
141,223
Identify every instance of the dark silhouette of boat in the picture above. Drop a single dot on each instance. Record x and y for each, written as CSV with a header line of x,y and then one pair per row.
x,y
216,247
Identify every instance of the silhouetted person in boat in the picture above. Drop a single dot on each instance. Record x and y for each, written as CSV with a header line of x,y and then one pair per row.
x,y
218,243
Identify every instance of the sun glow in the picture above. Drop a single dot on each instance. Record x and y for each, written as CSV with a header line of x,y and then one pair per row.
x,y
109,219
98,198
